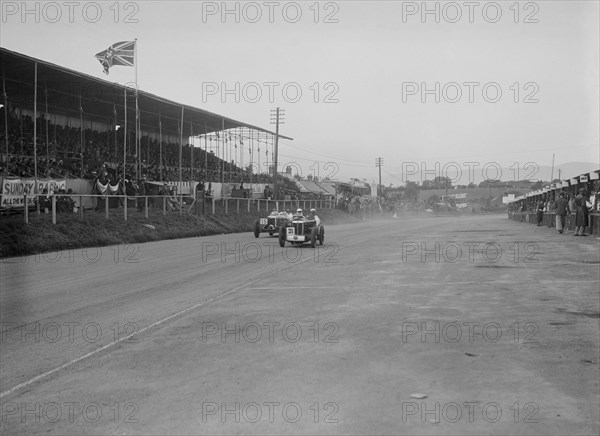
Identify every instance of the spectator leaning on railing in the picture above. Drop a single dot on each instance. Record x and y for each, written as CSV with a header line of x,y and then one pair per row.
x,y
581,213
540,212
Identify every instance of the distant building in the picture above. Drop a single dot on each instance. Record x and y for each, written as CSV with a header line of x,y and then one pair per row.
x,y
509,198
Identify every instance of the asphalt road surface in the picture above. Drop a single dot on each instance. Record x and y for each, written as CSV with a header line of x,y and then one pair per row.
x,y
423,325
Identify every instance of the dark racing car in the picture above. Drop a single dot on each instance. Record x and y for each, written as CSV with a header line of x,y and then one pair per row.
x,y
270,224
301,230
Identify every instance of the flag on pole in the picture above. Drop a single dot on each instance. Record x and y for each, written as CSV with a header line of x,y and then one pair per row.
x,y
120,53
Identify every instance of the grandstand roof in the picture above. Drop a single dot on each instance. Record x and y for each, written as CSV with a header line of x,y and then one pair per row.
x,y
328,186
66,88
309,186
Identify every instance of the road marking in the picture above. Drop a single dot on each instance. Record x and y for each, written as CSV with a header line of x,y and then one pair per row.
x,y
155,324
426,284
515,282
292,287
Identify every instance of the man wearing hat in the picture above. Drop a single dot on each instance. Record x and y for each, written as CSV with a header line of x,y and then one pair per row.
x,y
298,214
581,213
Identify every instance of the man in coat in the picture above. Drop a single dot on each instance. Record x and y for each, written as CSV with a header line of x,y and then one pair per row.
x,y
581,213
540,212
562,210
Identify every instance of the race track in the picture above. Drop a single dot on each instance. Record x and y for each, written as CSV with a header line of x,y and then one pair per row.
x,y
494,322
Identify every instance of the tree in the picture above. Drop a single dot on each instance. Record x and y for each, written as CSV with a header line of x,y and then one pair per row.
x,y
428,184
442,182
411,190
433,199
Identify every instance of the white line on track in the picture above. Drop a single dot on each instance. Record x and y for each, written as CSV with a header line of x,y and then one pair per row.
x,y
432,284
155,324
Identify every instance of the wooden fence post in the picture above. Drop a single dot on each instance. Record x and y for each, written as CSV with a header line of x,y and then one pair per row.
x,y
53,208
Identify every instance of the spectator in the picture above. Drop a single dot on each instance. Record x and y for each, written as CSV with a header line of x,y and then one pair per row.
x,y
45,202
581,213
141,202
313,216
550,208
562,210
571,199
540,212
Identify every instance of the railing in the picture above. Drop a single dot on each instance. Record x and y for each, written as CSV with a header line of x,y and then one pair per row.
x,y
167,204
548,220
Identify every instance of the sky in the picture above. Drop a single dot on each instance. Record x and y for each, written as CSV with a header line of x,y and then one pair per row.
x,y
429,85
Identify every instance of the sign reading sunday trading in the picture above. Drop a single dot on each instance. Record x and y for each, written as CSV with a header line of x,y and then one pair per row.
x,y
14,190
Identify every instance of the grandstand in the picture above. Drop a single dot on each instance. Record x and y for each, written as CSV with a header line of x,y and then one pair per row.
x,y
85,127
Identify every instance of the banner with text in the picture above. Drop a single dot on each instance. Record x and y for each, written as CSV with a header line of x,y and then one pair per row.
x,y
14,190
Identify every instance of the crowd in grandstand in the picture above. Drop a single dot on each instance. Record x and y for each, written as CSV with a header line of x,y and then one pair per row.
x,y
66,152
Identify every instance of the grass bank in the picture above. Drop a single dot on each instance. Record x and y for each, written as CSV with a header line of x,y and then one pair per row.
x,y
40,235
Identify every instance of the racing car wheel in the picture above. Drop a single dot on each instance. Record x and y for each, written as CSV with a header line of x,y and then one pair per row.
x,y
256,229
282,236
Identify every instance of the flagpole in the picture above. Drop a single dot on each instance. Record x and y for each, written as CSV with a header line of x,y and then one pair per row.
x,y
160,146
137,115
35,166
125,136
223,135
115,132
180,148
205,154
47,134
191,152
5,115
81,135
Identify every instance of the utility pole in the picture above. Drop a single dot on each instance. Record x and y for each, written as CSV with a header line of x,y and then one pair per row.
x,y
277,119
379,164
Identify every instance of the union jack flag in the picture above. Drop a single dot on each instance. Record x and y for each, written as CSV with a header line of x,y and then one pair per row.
x,y
120,53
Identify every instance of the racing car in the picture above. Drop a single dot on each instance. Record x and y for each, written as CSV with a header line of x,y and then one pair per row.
x,y
270,224
301,230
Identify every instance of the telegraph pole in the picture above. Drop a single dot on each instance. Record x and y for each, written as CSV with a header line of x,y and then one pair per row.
x,y
379,164
276,118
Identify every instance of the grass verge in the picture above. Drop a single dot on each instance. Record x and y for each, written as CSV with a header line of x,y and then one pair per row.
x,y
70,232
